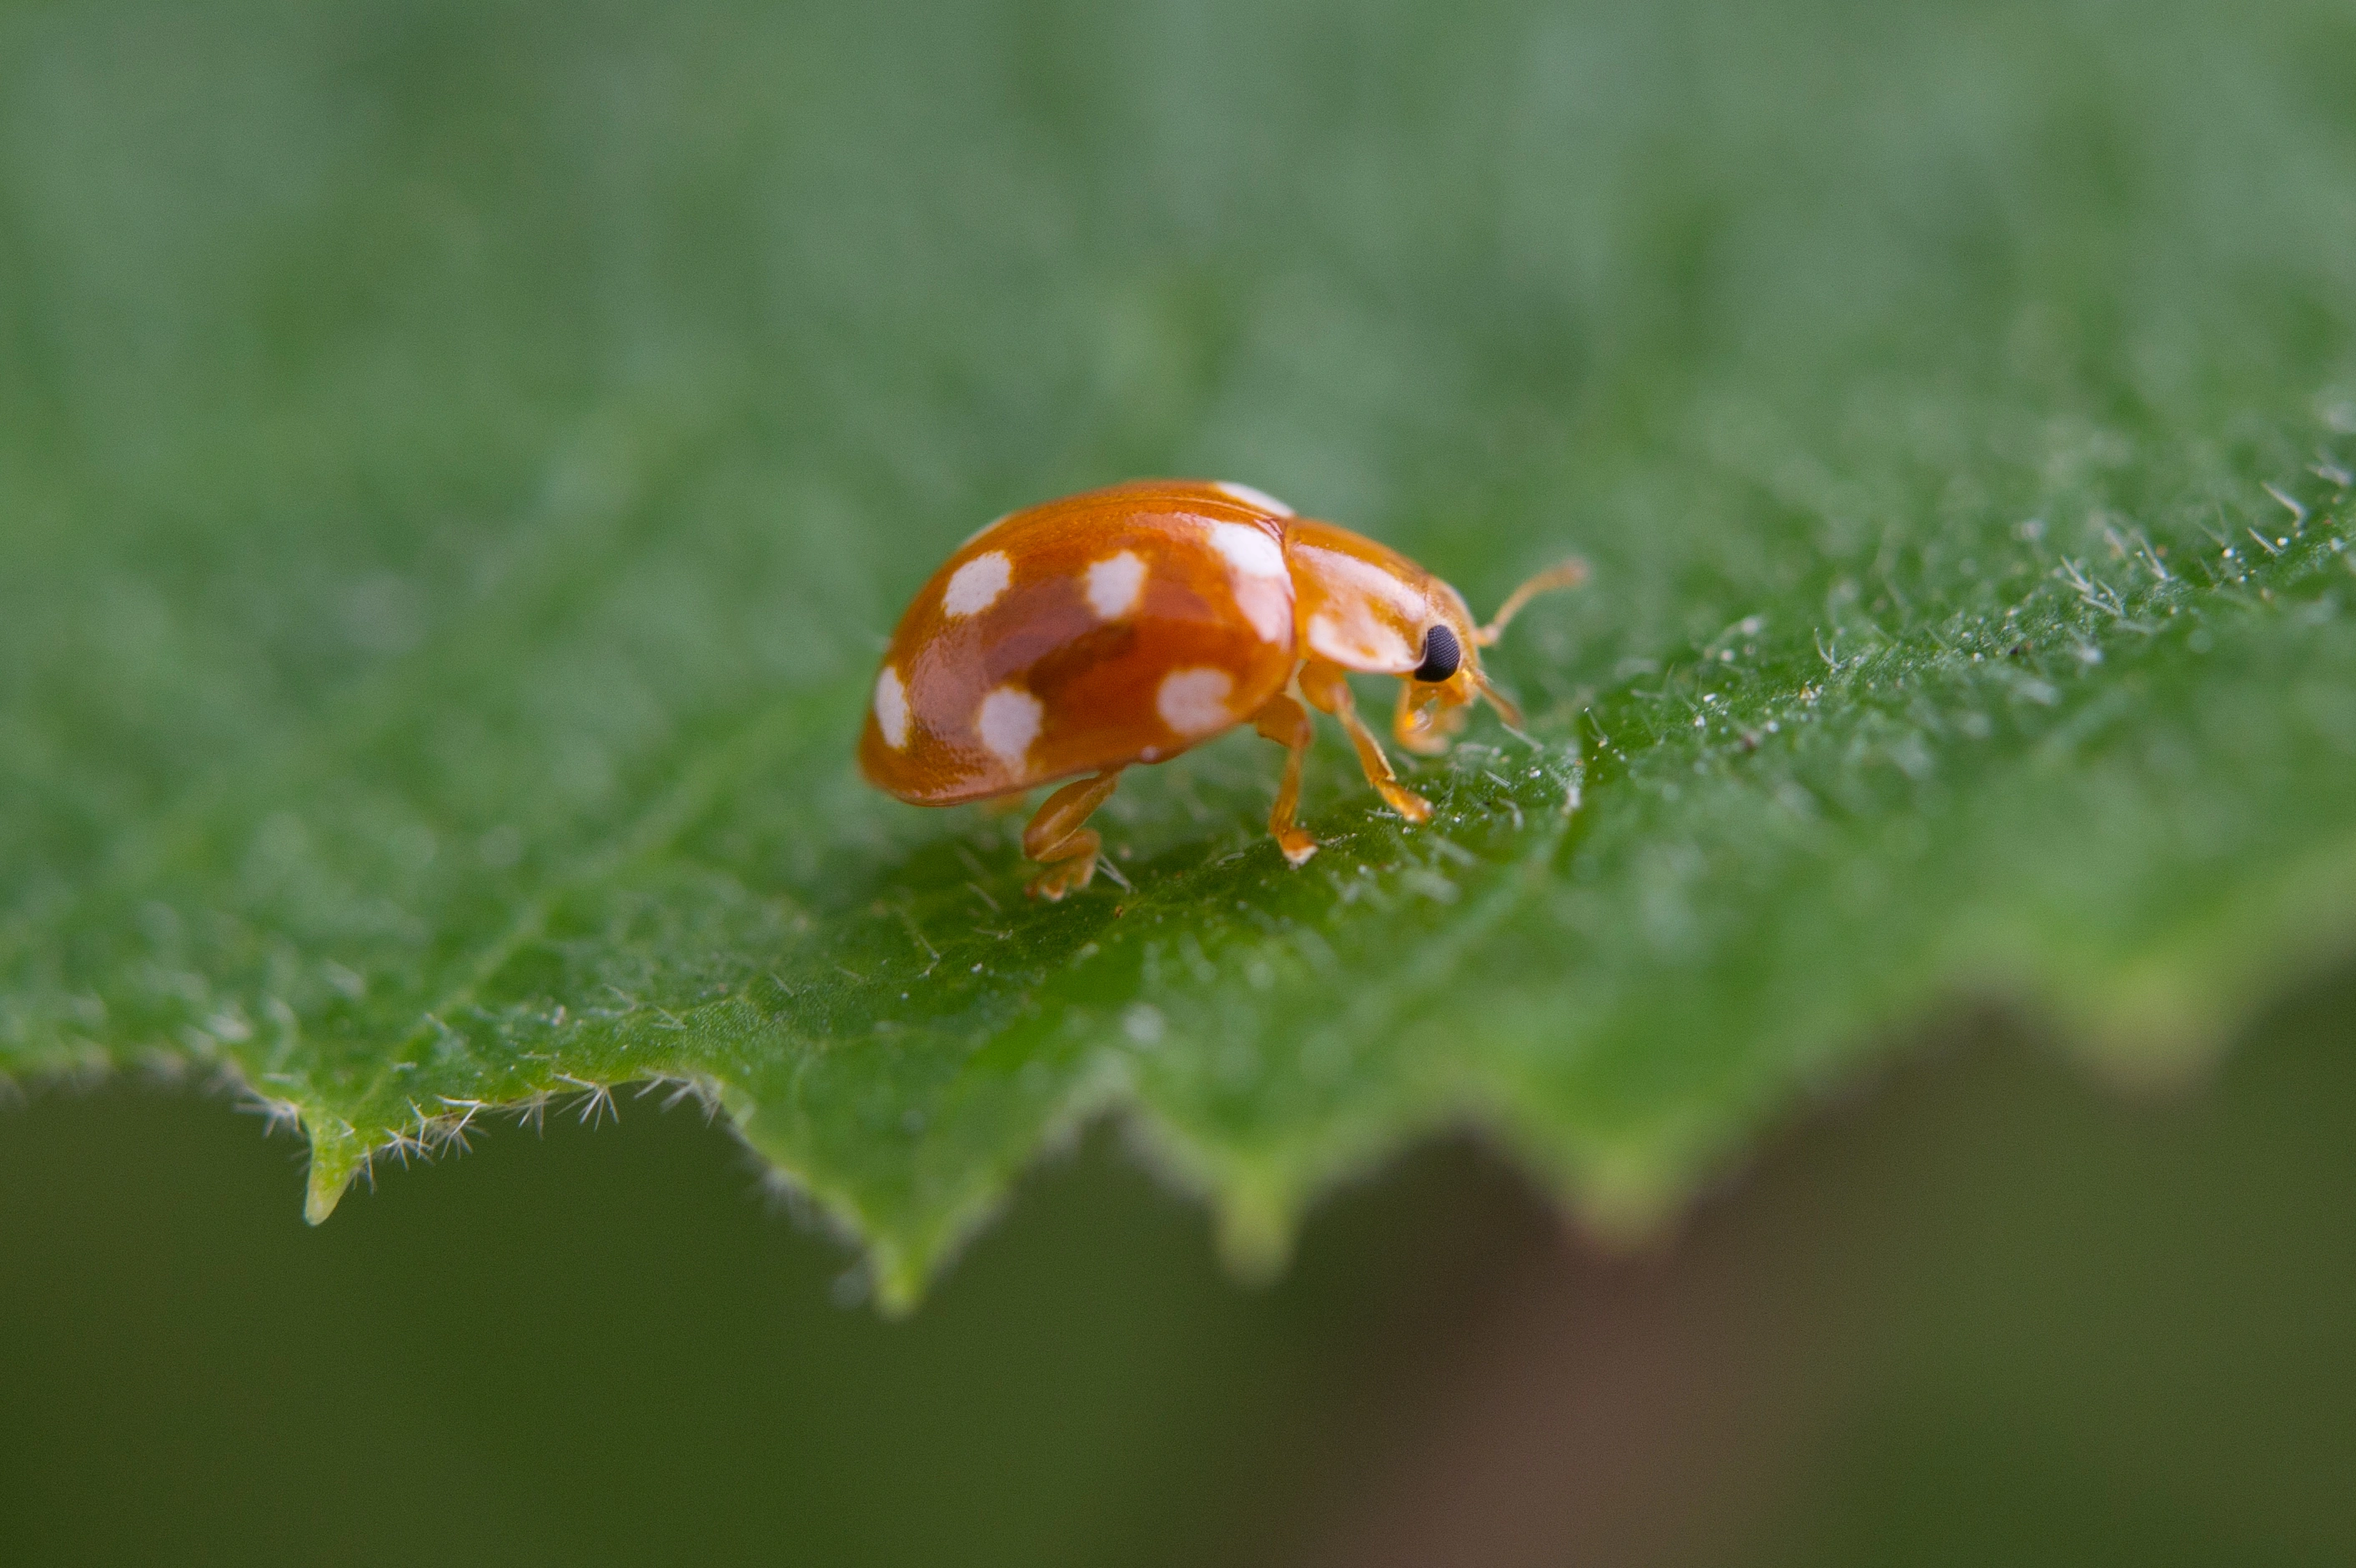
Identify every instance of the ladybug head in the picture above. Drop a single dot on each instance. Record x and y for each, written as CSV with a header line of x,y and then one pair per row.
x,y
1448,679
1366,608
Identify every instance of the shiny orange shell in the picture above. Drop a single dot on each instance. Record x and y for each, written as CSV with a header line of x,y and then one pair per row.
x,y
1118,626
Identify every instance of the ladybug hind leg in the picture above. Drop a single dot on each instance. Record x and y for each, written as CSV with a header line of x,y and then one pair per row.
x,y
1060,840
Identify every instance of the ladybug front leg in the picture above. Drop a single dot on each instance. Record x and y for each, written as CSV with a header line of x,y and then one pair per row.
x,y
1418,726
1058,839
1285,722
1328,688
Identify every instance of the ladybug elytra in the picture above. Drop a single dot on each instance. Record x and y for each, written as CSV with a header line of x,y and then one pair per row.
x,y
1126,625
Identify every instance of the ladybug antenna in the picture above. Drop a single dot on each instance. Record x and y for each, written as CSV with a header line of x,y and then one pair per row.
x,y
1507,709
1570,574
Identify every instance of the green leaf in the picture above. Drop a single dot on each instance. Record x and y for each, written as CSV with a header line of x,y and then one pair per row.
x,y
458,465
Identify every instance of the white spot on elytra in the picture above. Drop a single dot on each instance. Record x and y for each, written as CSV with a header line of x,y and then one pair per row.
x,y
1008,722
892,708
975,586
1267,605
1248,550
1263,581
1251,497
1364,643
1195,701
1114,584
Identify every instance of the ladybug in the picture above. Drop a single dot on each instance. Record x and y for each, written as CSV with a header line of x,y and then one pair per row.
x,y
1128,624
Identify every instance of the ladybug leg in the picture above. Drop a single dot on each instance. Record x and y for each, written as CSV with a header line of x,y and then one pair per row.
x,y
1325,686
1418,727
1057,840
1285,722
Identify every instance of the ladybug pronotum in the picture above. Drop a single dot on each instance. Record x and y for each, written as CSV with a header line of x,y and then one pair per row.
x,y
1126,625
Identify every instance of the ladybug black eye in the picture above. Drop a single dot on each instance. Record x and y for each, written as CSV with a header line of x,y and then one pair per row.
x,y
1441,655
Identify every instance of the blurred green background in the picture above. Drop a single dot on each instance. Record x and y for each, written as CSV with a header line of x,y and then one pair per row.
x,y
1984,1313
340,282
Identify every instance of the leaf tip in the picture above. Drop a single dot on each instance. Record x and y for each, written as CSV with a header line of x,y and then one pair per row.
x,y
1255,1233
1626,1201
336,1157
326,1190
894,1280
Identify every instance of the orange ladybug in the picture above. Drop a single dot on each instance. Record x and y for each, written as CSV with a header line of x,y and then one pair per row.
x,y
1128,624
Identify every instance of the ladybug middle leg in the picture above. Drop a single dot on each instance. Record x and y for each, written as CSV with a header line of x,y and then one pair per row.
x,y
1285,722
1058,839
1328,688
